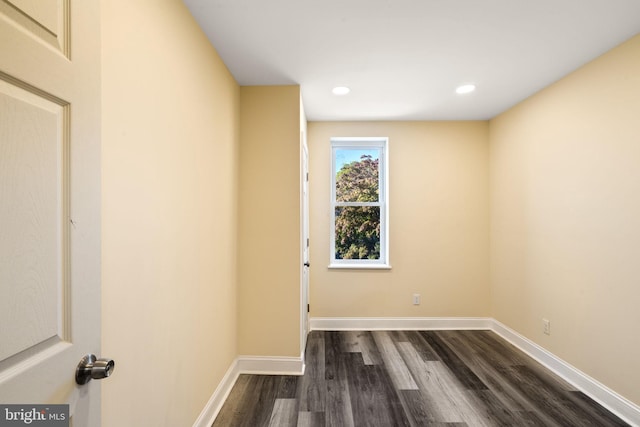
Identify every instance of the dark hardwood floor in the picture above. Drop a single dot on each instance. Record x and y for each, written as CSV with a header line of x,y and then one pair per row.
x,y
412,378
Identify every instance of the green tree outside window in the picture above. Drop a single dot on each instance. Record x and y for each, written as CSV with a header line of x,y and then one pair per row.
x,y
357,228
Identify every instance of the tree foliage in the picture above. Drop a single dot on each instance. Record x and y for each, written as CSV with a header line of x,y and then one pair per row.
x,y
358,227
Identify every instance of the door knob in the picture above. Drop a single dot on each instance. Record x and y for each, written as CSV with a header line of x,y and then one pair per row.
x,y
92,368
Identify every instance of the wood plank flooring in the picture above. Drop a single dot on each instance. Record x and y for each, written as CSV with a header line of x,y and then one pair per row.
x,y
411,378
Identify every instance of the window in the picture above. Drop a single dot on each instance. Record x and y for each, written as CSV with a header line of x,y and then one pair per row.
x,y
359,203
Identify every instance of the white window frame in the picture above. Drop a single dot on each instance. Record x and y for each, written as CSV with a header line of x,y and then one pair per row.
x,y
378,143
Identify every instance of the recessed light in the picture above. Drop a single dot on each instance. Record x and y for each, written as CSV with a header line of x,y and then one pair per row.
x,y
340,90
466,88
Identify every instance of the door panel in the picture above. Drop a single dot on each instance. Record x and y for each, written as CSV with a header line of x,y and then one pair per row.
x,y
50,210
33,253
45,20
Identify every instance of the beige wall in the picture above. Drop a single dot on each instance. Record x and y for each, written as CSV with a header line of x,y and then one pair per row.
x,y
565,218
438,220
269,227
170,164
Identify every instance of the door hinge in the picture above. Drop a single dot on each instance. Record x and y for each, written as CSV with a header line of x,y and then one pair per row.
x,y
307,176
307,242
307,308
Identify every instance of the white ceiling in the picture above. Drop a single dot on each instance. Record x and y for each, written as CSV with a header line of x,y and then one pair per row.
x,y
403,59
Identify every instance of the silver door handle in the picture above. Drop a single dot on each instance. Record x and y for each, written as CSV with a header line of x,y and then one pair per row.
x,y
91,367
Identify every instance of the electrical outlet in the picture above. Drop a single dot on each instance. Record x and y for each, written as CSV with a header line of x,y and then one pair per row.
x,y
546,326
416,299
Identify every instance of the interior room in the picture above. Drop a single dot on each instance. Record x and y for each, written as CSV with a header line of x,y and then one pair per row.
x,y
528,215
499,219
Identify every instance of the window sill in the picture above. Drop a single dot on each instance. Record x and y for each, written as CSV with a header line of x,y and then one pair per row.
x,y
359,266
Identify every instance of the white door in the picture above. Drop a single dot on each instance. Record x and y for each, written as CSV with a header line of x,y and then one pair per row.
x,y
49,202
304,150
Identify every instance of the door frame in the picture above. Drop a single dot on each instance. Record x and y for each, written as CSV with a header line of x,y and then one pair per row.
x,y
304,241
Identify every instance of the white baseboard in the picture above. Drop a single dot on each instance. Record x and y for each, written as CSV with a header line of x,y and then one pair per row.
x,y
263,365
623,408
210,411
398,323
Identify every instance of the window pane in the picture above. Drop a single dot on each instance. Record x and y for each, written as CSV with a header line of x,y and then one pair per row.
x,y
357,175
358,232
